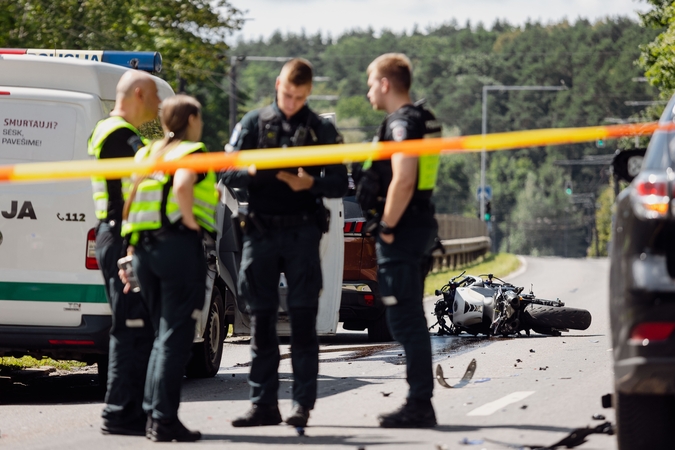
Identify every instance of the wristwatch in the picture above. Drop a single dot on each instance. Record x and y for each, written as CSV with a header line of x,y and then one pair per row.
x,y
385,229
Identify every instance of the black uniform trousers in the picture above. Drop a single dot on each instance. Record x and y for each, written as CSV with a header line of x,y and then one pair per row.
x,y
171,269
131,335
294,251
402,267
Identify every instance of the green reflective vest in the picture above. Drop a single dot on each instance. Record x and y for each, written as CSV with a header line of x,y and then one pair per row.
x,y
427,171
103,129
145,211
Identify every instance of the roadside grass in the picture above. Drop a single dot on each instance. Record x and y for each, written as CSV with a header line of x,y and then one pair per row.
x,y
498,264
10,363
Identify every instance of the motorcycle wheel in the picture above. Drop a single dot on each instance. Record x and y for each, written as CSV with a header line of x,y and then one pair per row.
x,y
558,317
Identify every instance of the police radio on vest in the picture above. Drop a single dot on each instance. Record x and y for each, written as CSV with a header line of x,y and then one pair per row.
x,y
146,61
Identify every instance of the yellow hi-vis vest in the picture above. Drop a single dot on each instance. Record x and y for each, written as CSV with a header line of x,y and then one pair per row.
x,y
145,210
103,129
427,171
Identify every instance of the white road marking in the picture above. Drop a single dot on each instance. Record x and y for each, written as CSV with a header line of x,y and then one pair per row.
x,y
492,407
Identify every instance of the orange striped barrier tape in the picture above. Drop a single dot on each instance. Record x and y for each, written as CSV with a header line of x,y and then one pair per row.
x,y
321,155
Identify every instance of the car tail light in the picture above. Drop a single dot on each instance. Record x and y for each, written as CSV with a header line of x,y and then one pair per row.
x,y
369,299
647,332
90,259
75,342
650,197
355,227
4,93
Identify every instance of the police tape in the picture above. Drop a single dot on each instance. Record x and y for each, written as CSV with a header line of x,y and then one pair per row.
x,y
322,155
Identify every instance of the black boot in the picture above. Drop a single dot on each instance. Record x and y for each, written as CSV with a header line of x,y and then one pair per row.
x,y
134,428
259,415
299,416
172,430
413,414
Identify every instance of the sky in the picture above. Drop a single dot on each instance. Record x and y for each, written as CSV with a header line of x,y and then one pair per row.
x,y
337,16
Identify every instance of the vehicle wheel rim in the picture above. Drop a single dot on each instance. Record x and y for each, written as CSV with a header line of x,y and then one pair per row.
x,y
214,333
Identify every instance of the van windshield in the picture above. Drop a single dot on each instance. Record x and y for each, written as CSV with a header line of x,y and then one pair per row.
x,y
36,130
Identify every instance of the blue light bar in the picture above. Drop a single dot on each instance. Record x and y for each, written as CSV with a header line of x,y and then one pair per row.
x,y
146,61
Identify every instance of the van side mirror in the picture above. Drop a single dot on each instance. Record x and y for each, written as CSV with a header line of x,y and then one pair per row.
x,y
627,163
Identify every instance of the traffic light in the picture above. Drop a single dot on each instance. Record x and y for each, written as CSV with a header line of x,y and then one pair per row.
x,y
488,211
600,143
568,187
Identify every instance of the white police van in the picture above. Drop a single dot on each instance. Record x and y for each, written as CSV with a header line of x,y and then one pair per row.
x,y
52,300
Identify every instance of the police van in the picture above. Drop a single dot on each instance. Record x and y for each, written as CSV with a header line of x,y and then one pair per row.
x,y
52,299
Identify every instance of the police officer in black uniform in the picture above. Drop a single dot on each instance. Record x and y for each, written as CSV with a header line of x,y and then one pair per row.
x,y
400,191
131,334
285,220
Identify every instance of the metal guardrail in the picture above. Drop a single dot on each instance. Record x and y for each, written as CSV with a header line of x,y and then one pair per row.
x,y
459,252
464,240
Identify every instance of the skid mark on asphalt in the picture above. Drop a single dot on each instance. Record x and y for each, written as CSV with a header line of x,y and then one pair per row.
x,y
492,407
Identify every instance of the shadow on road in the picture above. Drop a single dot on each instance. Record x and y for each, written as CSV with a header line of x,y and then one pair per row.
x,y
69,388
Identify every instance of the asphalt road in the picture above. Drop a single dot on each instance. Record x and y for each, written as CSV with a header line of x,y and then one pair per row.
x,y
554,388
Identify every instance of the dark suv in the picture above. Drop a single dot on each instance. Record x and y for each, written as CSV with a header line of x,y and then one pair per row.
x,y
642,294
361,306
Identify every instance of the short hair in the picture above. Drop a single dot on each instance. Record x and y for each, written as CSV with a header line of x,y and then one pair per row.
x,y
298,72
396,68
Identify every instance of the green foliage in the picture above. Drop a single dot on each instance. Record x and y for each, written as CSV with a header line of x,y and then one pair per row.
x,y
451,65
9,363
603,220
190,34
658,57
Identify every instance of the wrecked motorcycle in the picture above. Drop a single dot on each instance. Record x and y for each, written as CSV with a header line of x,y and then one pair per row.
x,y
492,306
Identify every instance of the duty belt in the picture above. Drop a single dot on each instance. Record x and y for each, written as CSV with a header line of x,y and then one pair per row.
x,y
286,220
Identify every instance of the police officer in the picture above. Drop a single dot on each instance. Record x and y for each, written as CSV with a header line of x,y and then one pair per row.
x,y
283,228
401,191
165,217
131,333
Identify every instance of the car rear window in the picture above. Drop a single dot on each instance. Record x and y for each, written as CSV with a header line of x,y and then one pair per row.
x,y
36,131
660,151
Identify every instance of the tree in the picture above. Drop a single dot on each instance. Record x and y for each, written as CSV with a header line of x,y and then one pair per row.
x,y
658,57
189,33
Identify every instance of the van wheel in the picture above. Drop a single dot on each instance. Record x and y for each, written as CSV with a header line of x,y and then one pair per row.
x,y
206,355
378,330
645,421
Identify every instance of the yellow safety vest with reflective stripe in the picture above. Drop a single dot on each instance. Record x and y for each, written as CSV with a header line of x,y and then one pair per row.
x,y
427,171
103,129
145,211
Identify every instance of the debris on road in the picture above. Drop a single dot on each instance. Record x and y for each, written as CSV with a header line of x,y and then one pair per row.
x,y
532,350
467,441
468,375
574,439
